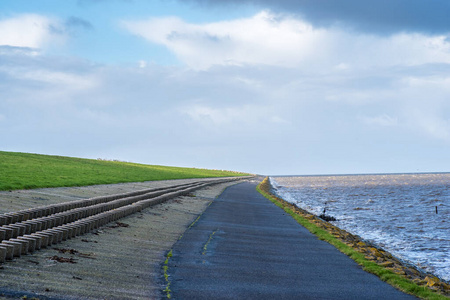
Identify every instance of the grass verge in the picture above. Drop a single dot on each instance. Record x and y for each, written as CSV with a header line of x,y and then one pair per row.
x,y
391,275
29,171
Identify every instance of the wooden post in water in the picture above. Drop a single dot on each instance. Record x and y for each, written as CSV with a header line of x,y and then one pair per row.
x,y
436,210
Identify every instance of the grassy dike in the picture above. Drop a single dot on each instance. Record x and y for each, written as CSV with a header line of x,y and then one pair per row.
x,y
29,171
373,260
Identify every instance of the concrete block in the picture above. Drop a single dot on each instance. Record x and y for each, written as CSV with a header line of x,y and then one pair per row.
x,y
8,232
25,215
87,226
9,218
20,216
57,208
89,211
15,230
25,245
57,220
31,213
52,210
51,238
33,226
42,223
65,233
2,234
3,251
31,243
105,220
73,216
46,211
27,227
63,207
50,222
17,247
66,218
90,225
15,218
37,240
57,234
38,213
139,207
81,228
76,215
21,227
73,230
61,219
45,239
9,250
39,226
95,223
82,214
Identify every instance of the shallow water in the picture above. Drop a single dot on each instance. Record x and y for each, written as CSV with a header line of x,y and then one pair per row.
x,y
396,212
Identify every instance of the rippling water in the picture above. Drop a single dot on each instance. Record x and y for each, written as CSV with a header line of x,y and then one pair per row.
x,y
396,212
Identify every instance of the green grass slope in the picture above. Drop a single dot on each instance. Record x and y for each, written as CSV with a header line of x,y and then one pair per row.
x,y
28,171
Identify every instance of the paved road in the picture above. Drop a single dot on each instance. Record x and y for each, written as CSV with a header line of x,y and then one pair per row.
x,y
244,247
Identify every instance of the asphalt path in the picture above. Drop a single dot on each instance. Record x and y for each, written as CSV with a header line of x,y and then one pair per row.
x,y
245,247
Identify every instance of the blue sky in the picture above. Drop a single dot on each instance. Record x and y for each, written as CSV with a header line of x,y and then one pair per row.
x,y
269,87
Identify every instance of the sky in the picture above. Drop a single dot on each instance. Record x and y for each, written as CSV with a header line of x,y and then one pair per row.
x,y
268,87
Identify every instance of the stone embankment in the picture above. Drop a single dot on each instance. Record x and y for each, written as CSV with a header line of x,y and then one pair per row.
x,y
370,251
28,230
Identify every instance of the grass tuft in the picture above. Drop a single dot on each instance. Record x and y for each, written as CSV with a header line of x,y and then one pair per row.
x,y
166,275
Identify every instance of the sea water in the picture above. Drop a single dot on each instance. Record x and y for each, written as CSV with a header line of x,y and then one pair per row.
x,y
405,214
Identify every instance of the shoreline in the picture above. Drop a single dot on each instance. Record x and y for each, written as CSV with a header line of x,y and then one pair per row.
x,y
370,251
383,211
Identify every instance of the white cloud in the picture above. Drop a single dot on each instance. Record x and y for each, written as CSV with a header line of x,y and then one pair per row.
x,y
262,39
384,120
142,64
46,85
232,116
30,31
59,78
270,39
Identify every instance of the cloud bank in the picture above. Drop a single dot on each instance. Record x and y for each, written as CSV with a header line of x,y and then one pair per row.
x,y
282,96
374,16
277,40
